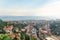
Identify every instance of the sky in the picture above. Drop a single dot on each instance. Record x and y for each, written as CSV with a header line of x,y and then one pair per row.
x,y
30,8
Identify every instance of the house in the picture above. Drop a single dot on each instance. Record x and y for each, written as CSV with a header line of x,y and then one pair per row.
x,y
33,33
18,36
45,29
52,38
23,29
15,29
8,29
12,35
31,30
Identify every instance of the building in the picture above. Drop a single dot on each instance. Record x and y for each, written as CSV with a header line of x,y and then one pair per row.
x,y
8,29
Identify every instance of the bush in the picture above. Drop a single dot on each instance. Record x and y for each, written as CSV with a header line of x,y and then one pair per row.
x,y
4,37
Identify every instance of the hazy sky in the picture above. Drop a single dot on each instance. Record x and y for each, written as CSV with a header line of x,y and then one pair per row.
x,y
30,8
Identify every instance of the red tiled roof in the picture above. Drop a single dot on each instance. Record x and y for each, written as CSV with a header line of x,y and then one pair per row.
x,y
8,27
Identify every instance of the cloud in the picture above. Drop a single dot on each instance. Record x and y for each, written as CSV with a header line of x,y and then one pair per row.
x,y
50,9
14,12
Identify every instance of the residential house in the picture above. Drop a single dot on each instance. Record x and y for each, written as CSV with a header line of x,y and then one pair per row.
x,y
8,29
31,30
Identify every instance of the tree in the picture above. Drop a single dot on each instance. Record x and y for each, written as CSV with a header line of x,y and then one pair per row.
x,y
55,27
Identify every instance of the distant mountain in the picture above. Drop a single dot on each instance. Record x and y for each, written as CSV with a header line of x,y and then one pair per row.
x,y
15,18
